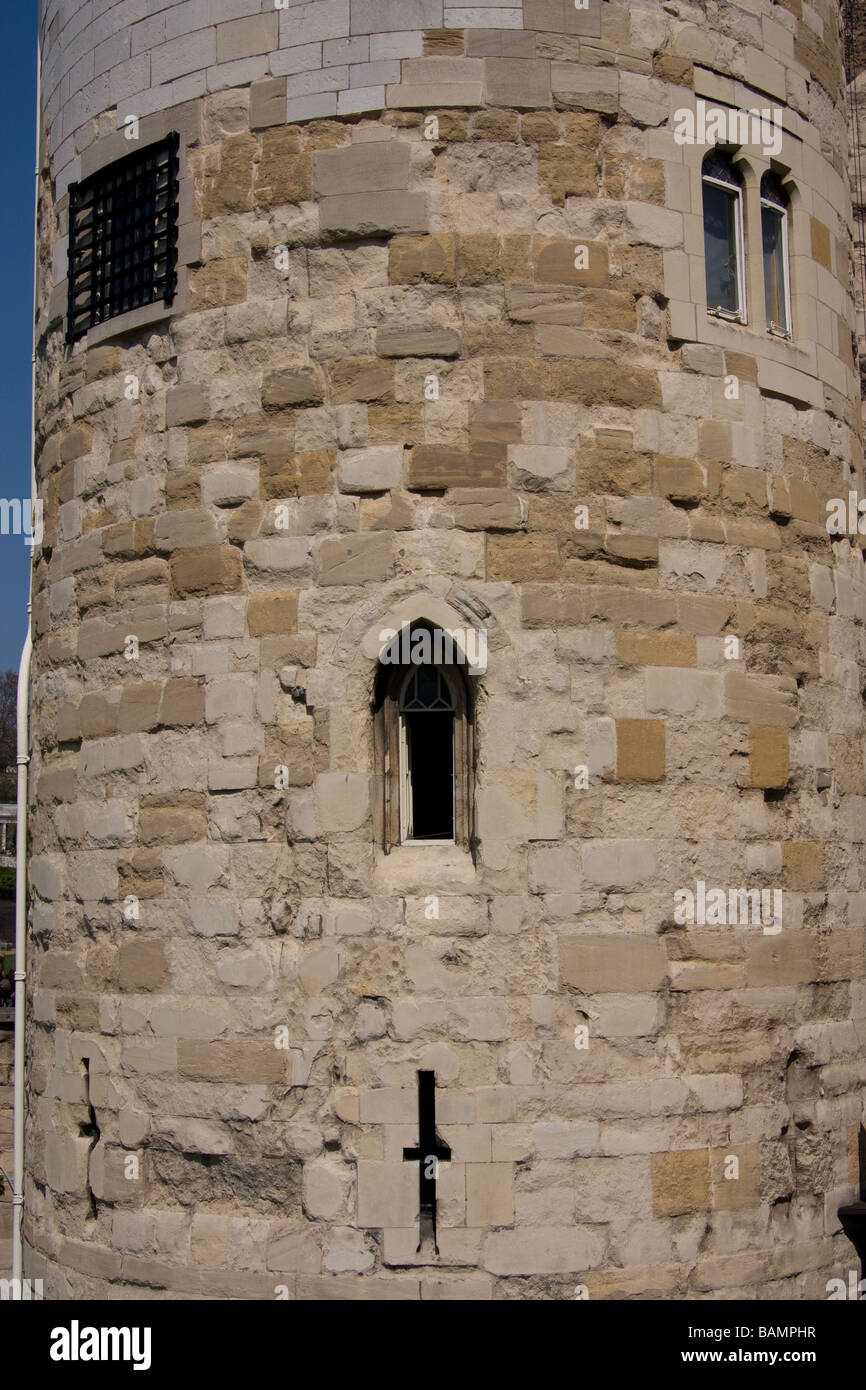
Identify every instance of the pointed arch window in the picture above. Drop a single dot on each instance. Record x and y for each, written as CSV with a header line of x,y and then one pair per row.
x,y
724,259
425,750
777,274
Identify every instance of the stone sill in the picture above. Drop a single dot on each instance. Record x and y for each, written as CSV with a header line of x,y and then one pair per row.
x,y
422,869
124,323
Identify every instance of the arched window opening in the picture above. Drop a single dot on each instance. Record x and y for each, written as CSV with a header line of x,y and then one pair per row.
x,y
427,757
777,272
424,739
723,237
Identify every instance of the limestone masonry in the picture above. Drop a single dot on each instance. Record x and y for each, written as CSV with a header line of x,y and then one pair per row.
x,y
440,355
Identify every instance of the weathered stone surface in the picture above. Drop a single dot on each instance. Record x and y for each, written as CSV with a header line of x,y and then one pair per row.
x,y
439,354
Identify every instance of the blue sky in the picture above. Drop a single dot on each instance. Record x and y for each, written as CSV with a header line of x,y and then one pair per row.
x,y
18,19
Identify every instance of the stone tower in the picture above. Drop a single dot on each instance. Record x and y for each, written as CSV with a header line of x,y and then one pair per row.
x,y
433,352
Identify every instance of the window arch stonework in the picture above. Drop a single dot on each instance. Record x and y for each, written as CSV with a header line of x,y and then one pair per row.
x,y
402,699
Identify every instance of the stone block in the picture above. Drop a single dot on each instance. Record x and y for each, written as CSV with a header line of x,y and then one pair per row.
x,y
656,648
139,707
200,573
624,964
418,342
486,509
342,801
640,750
489,1194
736,1186
241,1061
230,484
681,1182
267,102
769,757
380,166
356,559
216,284
370,470
519,83
789,958
172,820
803,865
364,379
619,864
588,88
143,966
434,467
560,261
272,613
181,530
763,700
424,95
387,1195
540,463
374,214
414,259
543,1250
293,386
242,38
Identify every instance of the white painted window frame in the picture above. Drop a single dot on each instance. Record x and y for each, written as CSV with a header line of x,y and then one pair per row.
x,y
776,331
740,249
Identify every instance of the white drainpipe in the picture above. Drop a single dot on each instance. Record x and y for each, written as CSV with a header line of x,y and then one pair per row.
x,y
20,957
22,759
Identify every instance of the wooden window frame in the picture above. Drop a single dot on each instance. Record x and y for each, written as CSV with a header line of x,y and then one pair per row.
x,y
388,820
770,202
729,186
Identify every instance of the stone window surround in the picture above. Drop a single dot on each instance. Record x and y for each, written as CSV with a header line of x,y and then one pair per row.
x,y
388,684
752,169
98,156
790,367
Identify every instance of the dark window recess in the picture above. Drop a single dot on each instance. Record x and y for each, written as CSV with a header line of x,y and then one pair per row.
x,y
430,739
123,237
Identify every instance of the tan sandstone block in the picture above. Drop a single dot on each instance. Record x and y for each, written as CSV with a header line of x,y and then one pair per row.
x,y
217,283
413,259
820,236
803,865
489,1194
612,964
209,570
293,386
139,707
554,262
241,1062
640,750
657,649
769,756
172,820
433,467
681,1182
272,613
736,1193
143,966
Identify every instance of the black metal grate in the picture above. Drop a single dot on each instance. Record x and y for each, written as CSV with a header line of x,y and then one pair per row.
x,y
123,237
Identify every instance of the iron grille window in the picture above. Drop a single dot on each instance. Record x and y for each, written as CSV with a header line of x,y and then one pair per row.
x,y
123,237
